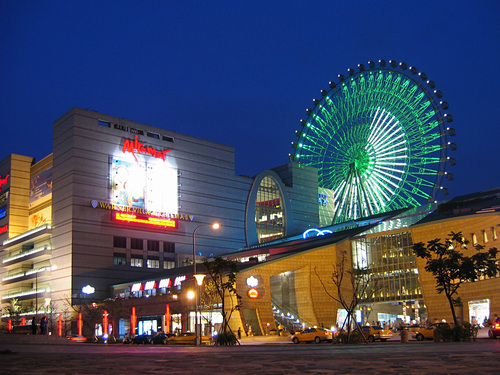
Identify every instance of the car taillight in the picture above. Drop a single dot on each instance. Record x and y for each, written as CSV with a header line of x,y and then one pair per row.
x,y
497,325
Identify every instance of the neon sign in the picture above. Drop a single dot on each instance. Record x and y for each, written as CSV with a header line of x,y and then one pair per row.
x,y
149,220
314,232
178,280
4,228
135,210
136,147
150,285
4,180
253,293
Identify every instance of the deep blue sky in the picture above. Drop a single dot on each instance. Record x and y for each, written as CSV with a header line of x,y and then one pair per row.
x,y
242,73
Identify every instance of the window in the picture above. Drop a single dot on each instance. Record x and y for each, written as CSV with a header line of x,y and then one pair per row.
x,y
474,239
104,123
168,247
136,261
485,237
153,135
153,245
120,127
269,211
167,138
136,243
168,263
120,242
137,131
153,263
119,259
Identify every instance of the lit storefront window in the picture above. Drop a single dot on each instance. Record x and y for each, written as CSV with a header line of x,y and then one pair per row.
x,y
269,211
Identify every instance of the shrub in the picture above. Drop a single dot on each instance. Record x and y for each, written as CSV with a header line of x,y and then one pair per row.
x,y
227,338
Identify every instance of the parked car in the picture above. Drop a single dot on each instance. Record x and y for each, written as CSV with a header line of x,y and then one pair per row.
x,y
428,332
312,334
494,329
187,338
141,339
372,333
161,338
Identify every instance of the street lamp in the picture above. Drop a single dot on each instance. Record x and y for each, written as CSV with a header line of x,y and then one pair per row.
x,y
199,280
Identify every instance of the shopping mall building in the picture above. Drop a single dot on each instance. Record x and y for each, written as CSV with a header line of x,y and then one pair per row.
x,y
119,210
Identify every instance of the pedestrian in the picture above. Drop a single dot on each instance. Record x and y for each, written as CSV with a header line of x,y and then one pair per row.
x,y
250,333
43,325
239,333
33,325
280,329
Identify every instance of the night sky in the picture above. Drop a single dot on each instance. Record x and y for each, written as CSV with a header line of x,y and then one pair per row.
x,y
242,73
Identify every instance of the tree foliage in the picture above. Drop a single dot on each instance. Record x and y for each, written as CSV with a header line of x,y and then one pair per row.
x,y
223,276
451,268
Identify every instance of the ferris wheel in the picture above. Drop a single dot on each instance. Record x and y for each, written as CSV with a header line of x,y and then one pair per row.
x,y
378,139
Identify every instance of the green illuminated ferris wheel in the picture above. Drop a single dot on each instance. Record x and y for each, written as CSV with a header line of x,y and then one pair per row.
x,y
378,138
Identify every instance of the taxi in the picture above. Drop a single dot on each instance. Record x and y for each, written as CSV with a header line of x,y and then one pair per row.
x,y
428,332
373,333
312,334
187,338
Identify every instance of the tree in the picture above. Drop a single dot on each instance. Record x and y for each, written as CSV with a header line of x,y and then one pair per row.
x,y
360,282
223,274
450,267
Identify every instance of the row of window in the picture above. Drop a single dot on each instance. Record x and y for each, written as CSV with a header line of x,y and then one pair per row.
x,y
138,244
484,235
120,259
108,124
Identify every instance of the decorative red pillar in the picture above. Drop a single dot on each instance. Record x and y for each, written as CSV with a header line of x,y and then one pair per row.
x,y
23,322
80,324
105,323
133,321
59,326
168,318
9,326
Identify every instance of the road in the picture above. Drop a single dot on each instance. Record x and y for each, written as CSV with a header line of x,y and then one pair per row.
x,y
393,357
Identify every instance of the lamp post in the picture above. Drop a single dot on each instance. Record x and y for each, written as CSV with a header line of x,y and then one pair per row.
x,y
214,226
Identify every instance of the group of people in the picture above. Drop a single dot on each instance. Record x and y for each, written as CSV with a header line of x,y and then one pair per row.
x,y
43,326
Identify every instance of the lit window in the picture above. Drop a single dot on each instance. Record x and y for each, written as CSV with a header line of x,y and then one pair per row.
x,y
474,239
269,214
136,261
485,237
168,263
153,263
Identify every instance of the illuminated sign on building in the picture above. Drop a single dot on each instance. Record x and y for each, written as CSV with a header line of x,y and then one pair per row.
x,y
87,289
314,232
252,282
136,147
116,207
4,180
137,287
178,280
4,197
2,213
165,283
253,293
5,228
149,220
150,285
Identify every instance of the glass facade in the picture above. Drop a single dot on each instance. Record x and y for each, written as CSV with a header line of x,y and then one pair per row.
x,y
269,211
390,262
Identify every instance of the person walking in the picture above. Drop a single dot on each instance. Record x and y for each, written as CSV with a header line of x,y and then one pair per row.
x,y
43,325
33,325
239,333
